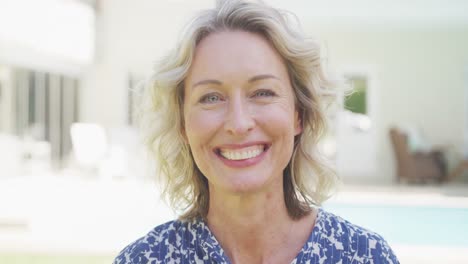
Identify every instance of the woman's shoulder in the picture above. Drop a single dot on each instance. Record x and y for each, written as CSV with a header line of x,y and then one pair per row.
x,y
162,242
351,241
332,225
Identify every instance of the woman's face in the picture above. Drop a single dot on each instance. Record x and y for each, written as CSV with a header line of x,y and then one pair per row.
x,y
240,118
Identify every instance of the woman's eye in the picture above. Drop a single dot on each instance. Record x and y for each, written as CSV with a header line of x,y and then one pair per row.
x,y
210,98
264,93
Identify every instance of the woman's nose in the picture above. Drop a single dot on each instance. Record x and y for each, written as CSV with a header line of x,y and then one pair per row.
x,y
239,119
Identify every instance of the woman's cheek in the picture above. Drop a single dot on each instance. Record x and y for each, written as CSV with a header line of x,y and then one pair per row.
x,y
201,122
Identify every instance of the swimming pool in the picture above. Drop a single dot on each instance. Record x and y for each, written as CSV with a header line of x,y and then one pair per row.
x,y
409,225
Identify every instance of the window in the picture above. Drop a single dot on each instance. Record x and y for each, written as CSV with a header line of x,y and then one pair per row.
x,y
356,101
45,106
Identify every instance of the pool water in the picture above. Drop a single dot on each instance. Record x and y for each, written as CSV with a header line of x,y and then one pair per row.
x,y
422,226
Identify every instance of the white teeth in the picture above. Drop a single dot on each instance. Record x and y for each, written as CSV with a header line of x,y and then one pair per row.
x,y
240,154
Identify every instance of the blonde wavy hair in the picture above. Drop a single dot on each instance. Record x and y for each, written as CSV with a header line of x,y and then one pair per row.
x,y
308,179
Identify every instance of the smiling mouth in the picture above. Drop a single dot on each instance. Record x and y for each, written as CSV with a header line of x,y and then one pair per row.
x,y
242,153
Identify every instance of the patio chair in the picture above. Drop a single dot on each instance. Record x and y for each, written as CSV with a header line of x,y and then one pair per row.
x,y
417,167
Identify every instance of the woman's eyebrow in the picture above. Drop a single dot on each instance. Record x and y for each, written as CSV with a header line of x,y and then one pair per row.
x,y
209,81
261,77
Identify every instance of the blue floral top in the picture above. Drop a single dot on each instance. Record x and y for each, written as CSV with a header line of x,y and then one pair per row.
x,y
333,240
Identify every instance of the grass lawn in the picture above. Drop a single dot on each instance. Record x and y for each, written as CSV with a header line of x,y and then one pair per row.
x,y
17,258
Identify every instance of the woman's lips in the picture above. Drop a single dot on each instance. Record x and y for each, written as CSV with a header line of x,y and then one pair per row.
x,y
242,153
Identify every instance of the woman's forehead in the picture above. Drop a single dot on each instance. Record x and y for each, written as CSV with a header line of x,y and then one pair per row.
x,y
235,54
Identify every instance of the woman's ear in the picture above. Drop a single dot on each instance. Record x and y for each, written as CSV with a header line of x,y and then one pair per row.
x,y
297,123
184,135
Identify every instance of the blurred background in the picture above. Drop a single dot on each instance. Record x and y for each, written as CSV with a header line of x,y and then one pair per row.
x,y
75,181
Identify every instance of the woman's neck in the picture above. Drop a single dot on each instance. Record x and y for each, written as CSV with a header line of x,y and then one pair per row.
x,y
256,228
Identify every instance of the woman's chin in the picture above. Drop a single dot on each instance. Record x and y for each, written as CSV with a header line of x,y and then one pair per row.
x,y
242,185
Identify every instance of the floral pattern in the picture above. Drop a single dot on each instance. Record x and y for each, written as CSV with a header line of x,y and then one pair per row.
x,y
333,240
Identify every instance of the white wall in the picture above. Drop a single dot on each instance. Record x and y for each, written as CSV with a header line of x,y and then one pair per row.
x,y
130,38
51,35
421,81
465,146
420,70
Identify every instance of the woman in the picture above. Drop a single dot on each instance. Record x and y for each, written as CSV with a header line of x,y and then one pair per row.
x,y
233,116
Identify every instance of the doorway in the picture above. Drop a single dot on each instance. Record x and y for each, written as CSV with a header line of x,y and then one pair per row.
x,y
356,139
